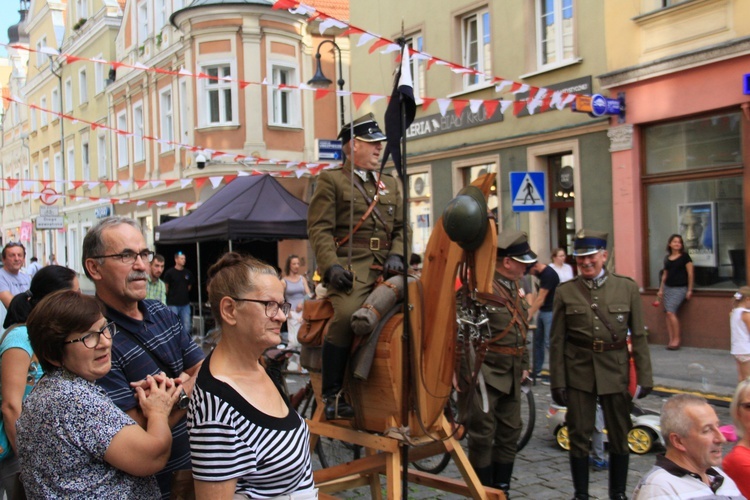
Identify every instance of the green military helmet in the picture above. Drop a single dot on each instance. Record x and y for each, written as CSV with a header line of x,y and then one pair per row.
x,y
465,218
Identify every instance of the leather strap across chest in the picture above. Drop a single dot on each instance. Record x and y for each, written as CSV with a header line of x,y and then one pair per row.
x,y
501,297
371,209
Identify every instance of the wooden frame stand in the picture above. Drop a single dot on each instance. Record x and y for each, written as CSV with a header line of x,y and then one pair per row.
x,y
383,456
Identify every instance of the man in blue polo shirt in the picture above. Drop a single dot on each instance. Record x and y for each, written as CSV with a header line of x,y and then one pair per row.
x,y
150,337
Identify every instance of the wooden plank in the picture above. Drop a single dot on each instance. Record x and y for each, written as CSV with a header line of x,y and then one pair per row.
x,y
451,485
365,439
361,467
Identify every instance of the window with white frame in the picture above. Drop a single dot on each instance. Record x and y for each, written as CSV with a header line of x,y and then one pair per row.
x,y
82,9
55,101
41,57
138,131
284,102
142,22
83,89
166,119
418,67
71,163
101,152
85,158
32,119
476,47
59,173
100,75
43,116
183,110
160,14
73,246
218,92
45,169
555,32
68,89
122,140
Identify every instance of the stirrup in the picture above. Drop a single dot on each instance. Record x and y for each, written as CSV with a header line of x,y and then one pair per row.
x,y
347,412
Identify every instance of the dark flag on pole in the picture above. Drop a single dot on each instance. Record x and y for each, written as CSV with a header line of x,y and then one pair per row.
x,y
401,105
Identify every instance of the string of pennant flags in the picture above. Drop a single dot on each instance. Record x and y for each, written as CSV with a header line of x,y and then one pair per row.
x,y
293,168
35,195
538,97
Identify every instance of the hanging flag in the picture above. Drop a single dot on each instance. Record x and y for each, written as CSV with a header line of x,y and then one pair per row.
x,y
401,105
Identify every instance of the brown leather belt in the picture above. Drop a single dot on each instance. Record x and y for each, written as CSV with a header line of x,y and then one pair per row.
x,y
371,243
598,345
510,351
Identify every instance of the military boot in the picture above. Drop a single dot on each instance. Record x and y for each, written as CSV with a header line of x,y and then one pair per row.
x,y
501,474
618,475
333,370
579,469
484,474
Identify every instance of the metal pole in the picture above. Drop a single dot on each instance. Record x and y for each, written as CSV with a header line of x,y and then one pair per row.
x,y
200,295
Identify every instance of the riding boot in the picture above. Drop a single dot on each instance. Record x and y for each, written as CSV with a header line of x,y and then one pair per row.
x,y
579,469
484,474
501,477
333,370
618,475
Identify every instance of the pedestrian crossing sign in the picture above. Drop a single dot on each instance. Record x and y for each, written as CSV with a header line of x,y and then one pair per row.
x,y
527,191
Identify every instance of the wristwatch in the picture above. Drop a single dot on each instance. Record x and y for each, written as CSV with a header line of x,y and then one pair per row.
x,y
183,402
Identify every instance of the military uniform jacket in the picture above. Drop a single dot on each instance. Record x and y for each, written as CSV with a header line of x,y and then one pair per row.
x,y
573,317
328,218
502,370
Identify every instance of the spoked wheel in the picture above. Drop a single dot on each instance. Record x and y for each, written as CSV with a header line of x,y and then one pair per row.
x,y
528,414
333,451
561,437
640,440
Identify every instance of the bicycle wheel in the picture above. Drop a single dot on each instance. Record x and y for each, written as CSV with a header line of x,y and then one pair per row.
x,y
528,414
333,451
434,464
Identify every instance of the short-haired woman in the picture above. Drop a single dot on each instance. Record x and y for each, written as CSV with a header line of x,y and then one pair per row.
x,y
73,442
245,437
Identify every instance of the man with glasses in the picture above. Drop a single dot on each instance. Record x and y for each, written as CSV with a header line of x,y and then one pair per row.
x,y
12,280
591,317
150,337
690,467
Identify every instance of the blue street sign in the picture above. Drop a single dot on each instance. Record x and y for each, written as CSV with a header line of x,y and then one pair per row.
x,y
746,84
527,191
329,150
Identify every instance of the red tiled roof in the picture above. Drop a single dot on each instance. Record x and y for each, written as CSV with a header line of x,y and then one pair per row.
x,y
336,8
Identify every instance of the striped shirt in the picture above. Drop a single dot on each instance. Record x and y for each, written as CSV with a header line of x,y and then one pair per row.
x,y
230,438
161,332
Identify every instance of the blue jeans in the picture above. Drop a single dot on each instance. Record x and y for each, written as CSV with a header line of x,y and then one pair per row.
x,y
186,317
541,340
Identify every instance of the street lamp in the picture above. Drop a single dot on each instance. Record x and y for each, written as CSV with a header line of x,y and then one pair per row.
x,y
319,80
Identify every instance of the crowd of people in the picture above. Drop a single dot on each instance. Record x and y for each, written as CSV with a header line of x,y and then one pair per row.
x,y
109,395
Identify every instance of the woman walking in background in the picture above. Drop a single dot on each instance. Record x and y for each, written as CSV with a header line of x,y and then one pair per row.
x,y
295,291
563,270
739,321
676,286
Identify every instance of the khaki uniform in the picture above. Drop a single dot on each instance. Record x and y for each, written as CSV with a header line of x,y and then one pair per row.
x,y
587,373
493,436
328,218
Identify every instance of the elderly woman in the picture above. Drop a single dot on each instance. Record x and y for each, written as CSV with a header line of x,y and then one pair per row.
x,y
737,462
19,366
73,442
246,440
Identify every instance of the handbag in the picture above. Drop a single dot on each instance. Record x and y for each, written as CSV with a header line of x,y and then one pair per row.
x,y
316,316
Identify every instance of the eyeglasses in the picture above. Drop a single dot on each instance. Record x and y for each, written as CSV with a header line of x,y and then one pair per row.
x,y
129,256
272,307
92,339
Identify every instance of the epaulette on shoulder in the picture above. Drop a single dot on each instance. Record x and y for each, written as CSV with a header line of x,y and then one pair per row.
x,y
623,276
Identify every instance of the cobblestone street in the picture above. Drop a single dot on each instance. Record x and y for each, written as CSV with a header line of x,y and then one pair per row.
x,y
541,469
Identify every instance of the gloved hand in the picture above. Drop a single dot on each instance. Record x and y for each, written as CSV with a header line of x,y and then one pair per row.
x,y
645,391
560,396
339,278
393,265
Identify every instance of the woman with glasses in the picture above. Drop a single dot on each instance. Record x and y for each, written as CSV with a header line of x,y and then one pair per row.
x,y
246,440
73,442
737,462
19,367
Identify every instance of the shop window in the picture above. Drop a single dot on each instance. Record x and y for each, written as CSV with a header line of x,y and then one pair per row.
x,y
707,211
420,210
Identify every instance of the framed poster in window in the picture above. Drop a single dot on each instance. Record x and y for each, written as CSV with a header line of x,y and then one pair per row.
x,y
697,225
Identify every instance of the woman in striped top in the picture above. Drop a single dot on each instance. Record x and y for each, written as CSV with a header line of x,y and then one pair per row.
x,y
246,440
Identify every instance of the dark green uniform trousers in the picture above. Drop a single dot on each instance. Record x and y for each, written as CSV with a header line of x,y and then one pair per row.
x,y
582,414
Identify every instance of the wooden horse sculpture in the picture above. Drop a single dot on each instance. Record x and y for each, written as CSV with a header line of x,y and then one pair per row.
x,y
378,401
